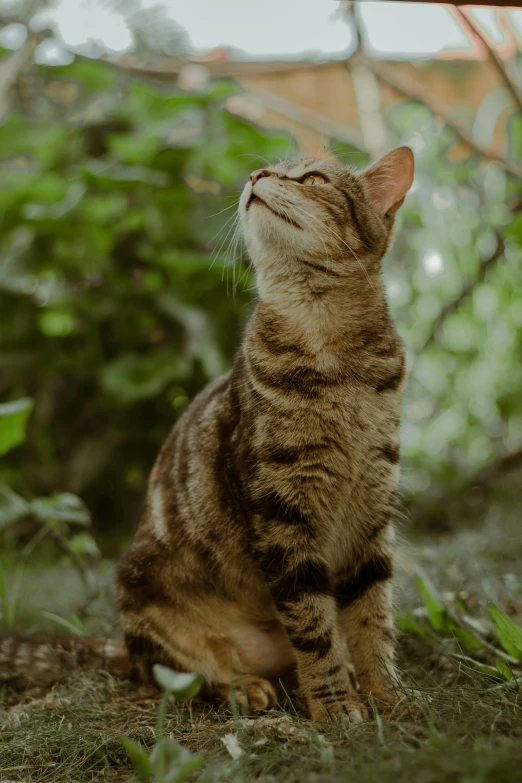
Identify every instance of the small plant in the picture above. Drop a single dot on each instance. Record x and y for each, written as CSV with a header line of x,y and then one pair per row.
x,y
168,762
73,625
500,640
61,517
10,599
509,633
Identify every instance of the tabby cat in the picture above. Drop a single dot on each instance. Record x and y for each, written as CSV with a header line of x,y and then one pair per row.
x,y
266,541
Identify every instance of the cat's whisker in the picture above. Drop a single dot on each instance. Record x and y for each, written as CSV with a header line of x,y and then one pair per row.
x,y
245,272
216,252
262,158
232,230
236,256
231,218
236,240
346,154
239,252
214,214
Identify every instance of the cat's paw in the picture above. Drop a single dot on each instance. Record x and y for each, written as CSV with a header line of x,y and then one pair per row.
x,y
382,697
250,694
389,703
343,710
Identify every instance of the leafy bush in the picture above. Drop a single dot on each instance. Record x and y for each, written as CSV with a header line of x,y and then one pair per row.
x,y
115,314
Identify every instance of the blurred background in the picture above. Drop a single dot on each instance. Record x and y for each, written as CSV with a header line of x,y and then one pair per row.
x,y
127,131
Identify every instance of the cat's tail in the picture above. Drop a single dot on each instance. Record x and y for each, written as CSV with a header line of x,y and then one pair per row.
x,y
42,660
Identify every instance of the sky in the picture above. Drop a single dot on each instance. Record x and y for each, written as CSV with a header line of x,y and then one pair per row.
x,y
275,28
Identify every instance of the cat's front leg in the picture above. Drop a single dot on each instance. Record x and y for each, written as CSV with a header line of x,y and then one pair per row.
x,y
364,597
300,585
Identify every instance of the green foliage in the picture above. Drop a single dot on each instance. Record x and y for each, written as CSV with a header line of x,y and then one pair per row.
x,y
462,406
177,685
116,313
455,627
509,633
168,762
73,626
57,509
55,517
13,422
10,596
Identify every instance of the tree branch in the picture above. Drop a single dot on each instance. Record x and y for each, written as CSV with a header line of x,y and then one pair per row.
x,y
436,509
11,68
466,290
404,86
499,3
306,117
366,89
474,30
498,468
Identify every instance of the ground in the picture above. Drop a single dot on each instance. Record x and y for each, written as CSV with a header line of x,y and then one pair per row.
x,y
465,726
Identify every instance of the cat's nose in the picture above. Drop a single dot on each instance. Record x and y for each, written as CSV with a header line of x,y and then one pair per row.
x,y
257,174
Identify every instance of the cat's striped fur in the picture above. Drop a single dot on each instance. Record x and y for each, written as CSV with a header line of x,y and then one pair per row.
x,y
267,537
266,541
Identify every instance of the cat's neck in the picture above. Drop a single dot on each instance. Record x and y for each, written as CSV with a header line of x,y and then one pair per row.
x,y
323,310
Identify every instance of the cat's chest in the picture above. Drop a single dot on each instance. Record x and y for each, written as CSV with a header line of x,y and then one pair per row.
x,y
367,442
355,416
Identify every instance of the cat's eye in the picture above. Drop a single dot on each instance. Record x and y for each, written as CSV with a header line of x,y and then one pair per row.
x,y
314,179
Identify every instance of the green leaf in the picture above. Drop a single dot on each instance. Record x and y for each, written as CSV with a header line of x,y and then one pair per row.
x,y
438,616
165,753
56,323
140,760
508,631
62,507
116,176
10,593
482,667
12,507
175,762
182,773
503,669
134,377
178,684
13,423
92,75
74,625
467,639
406,622
134,149
462,604
83,544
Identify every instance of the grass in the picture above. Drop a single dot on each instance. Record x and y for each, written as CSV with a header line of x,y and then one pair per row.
x,y
466,726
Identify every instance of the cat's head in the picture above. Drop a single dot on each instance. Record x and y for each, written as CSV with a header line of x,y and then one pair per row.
x,y
323,214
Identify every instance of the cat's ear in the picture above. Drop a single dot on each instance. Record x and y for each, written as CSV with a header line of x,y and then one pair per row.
x,y
389,180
